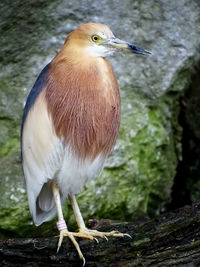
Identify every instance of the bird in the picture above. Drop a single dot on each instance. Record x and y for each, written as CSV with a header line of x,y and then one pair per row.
x,y
70,125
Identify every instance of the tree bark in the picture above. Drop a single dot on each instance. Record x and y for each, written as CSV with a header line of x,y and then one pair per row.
x,y
173,239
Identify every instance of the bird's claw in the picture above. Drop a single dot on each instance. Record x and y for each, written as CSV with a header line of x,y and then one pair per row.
x,y
106,238
96,240
83,259
86,233
65,232
128,236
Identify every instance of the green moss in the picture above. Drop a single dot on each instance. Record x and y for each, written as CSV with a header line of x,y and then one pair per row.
x,y
9,137
9,147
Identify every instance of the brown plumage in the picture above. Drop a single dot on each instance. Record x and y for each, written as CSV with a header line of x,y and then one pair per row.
x,y
84,103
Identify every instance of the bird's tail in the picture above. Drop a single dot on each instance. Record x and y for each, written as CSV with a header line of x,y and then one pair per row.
x,y
45,208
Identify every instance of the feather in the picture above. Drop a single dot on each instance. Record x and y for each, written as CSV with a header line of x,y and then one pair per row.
x,y
37,88
42,155
84,104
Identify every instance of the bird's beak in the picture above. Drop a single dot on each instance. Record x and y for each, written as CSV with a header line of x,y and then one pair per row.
x,y
121,45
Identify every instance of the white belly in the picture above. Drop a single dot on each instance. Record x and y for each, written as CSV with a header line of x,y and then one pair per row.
x,y
74,173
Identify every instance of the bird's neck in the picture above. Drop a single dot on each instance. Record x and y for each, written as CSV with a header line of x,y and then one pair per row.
x,y
78,57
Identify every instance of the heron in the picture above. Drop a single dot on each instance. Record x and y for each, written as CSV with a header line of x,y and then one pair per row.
x,y
70,124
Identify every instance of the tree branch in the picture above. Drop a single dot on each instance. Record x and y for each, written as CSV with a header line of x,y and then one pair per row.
x,y
169,240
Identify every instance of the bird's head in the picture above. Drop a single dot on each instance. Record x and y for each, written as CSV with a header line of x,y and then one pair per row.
x,y
97,40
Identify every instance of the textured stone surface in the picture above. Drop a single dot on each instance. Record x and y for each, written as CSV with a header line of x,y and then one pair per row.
x,y
139,174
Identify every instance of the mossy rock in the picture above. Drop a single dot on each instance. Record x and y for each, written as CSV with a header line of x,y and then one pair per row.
x,y
139,174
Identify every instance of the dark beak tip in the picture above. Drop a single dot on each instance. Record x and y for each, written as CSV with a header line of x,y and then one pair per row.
x,y
138,50
148,52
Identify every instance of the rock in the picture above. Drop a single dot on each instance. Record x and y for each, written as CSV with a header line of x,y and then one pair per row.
x,y
138,176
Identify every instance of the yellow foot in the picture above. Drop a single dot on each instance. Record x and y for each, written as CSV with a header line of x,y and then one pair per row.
x,y
86,233
65,232
92,234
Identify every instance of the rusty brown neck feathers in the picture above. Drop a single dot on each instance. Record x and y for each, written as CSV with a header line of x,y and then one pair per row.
x,y
83,102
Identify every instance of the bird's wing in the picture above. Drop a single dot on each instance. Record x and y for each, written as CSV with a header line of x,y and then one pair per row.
x,y
41,153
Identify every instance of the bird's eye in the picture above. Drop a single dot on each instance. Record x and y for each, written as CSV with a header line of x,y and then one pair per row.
x,y
95,38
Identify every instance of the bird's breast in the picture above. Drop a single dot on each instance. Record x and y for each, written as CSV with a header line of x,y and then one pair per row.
x,y
84,104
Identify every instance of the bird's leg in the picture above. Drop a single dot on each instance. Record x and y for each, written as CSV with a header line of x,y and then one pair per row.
x,y
87,233
61,224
